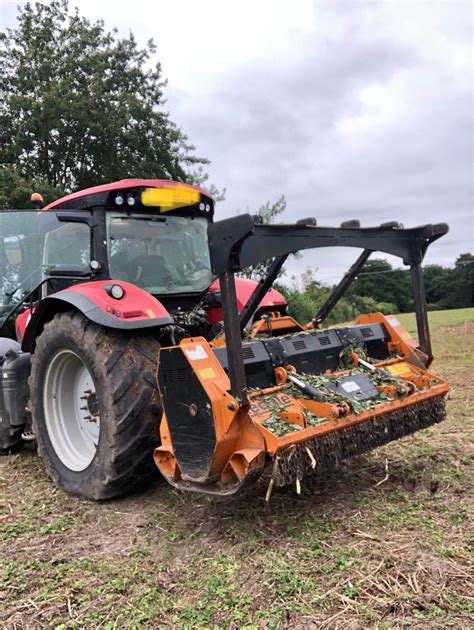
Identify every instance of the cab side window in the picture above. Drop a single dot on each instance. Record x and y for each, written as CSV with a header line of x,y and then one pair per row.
x,y
68,244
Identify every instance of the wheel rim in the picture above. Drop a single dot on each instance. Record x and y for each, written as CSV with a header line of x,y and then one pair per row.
x,y
71,410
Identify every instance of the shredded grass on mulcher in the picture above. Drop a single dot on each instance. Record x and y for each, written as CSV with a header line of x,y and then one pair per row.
x,y
384,542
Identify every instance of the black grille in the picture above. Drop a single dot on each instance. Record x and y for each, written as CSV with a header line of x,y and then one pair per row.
x,y
367,332
248,352
324,341
299,345
171,376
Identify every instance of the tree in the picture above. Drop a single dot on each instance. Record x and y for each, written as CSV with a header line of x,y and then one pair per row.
x,y
437,280
80,106
459,292
379,281
380,288
15,190
303,304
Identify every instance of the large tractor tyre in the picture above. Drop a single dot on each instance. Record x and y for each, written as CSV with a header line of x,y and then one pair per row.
x,y
95,406
10,432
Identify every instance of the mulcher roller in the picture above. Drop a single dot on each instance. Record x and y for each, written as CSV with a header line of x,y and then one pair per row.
x,y
325,453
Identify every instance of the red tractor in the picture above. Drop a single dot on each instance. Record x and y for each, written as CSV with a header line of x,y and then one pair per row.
x,y
121,344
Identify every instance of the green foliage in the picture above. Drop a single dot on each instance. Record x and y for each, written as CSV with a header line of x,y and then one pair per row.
x,y
80,106
15,190
300,305
458,287
379,281
445,287
365,304
436,281
303,304
380,288
448,288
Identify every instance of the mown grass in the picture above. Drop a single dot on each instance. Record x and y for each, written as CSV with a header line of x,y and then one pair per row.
x,y
454,317
355,550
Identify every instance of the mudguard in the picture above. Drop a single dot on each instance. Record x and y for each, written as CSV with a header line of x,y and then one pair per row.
x,y
136,309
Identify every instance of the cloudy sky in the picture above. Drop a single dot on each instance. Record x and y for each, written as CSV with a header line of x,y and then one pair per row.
x,y
350,109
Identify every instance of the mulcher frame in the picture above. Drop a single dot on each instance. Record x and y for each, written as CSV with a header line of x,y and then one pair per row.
x,y
240,242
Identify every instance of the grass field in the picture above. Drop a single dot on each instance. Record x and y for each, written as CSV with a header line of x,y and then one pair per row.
x,y
356,550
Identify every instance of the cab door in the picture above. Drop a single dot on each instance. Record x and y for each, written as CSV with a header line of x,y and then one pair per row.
x,y
20,260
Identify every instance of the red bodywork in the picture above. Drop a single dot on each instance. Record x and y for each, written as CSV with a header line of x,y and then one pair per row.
x,y
244,289
121,185
21,323
137,304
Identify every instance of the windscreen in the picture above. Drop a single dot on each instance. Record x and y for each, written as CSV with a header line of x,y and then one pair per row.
x,y
31,244
20,258
164,255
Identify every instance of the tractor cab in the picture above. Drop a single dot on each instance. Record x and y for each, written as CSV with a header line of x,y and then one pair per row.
x,y
20,259
155,233
150,233
162,254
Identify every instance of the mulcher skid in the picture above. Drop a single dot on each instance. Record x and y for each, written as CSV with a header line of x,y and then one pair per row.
x,y
294,404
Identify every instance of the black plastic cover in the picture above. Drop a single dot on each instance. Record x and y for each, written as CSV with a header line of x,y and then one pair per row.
x,y
311,353
192,433
258,364
372,337
356,388
15,372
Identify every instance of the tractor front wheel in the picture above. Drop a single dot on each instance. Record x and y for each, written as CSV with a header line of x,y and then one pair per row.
x,y
95,406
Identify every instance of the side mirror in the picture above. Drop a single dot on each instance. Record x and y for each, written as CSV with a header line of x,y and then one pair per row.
x,y
67,271
13,252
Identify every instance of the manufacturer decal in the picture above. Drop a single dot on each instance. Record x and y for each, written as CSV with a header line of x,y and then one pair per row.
x,y
197,353
350,386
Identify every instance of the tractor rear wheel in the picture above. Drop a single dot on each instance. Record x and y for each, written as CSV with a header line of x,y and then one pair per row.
x,y
95,406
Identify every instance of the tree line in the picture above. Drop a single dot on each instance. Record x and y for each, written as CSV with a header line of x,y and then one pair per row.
x,y
381,288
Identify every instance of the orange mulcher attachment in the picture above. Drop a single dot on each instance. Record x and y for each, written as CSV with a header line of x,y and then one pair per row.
x,y
295,403
212,444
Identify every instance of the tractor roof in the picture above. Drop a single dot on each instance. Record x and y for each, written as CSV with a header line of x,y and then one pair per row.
x,y
99,195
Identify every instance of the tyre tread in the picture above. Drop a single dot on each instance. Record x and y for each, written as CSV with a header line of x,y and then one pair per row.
x,y
128,371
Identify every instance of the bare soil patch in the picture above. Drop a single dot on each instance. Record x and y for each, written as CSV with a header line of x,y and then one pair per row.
x,y
466,329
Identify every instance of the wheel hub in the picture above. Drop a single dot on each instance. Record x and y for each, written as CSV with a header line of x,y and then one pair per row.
x,y
91,405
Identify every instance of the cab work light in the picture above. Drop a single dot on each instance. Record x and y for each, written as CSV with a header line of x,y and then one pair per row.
x,y
170,198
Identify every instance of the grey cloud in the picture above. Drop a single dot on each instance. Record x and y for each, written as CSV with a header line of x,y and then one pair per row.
x,y
274,127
